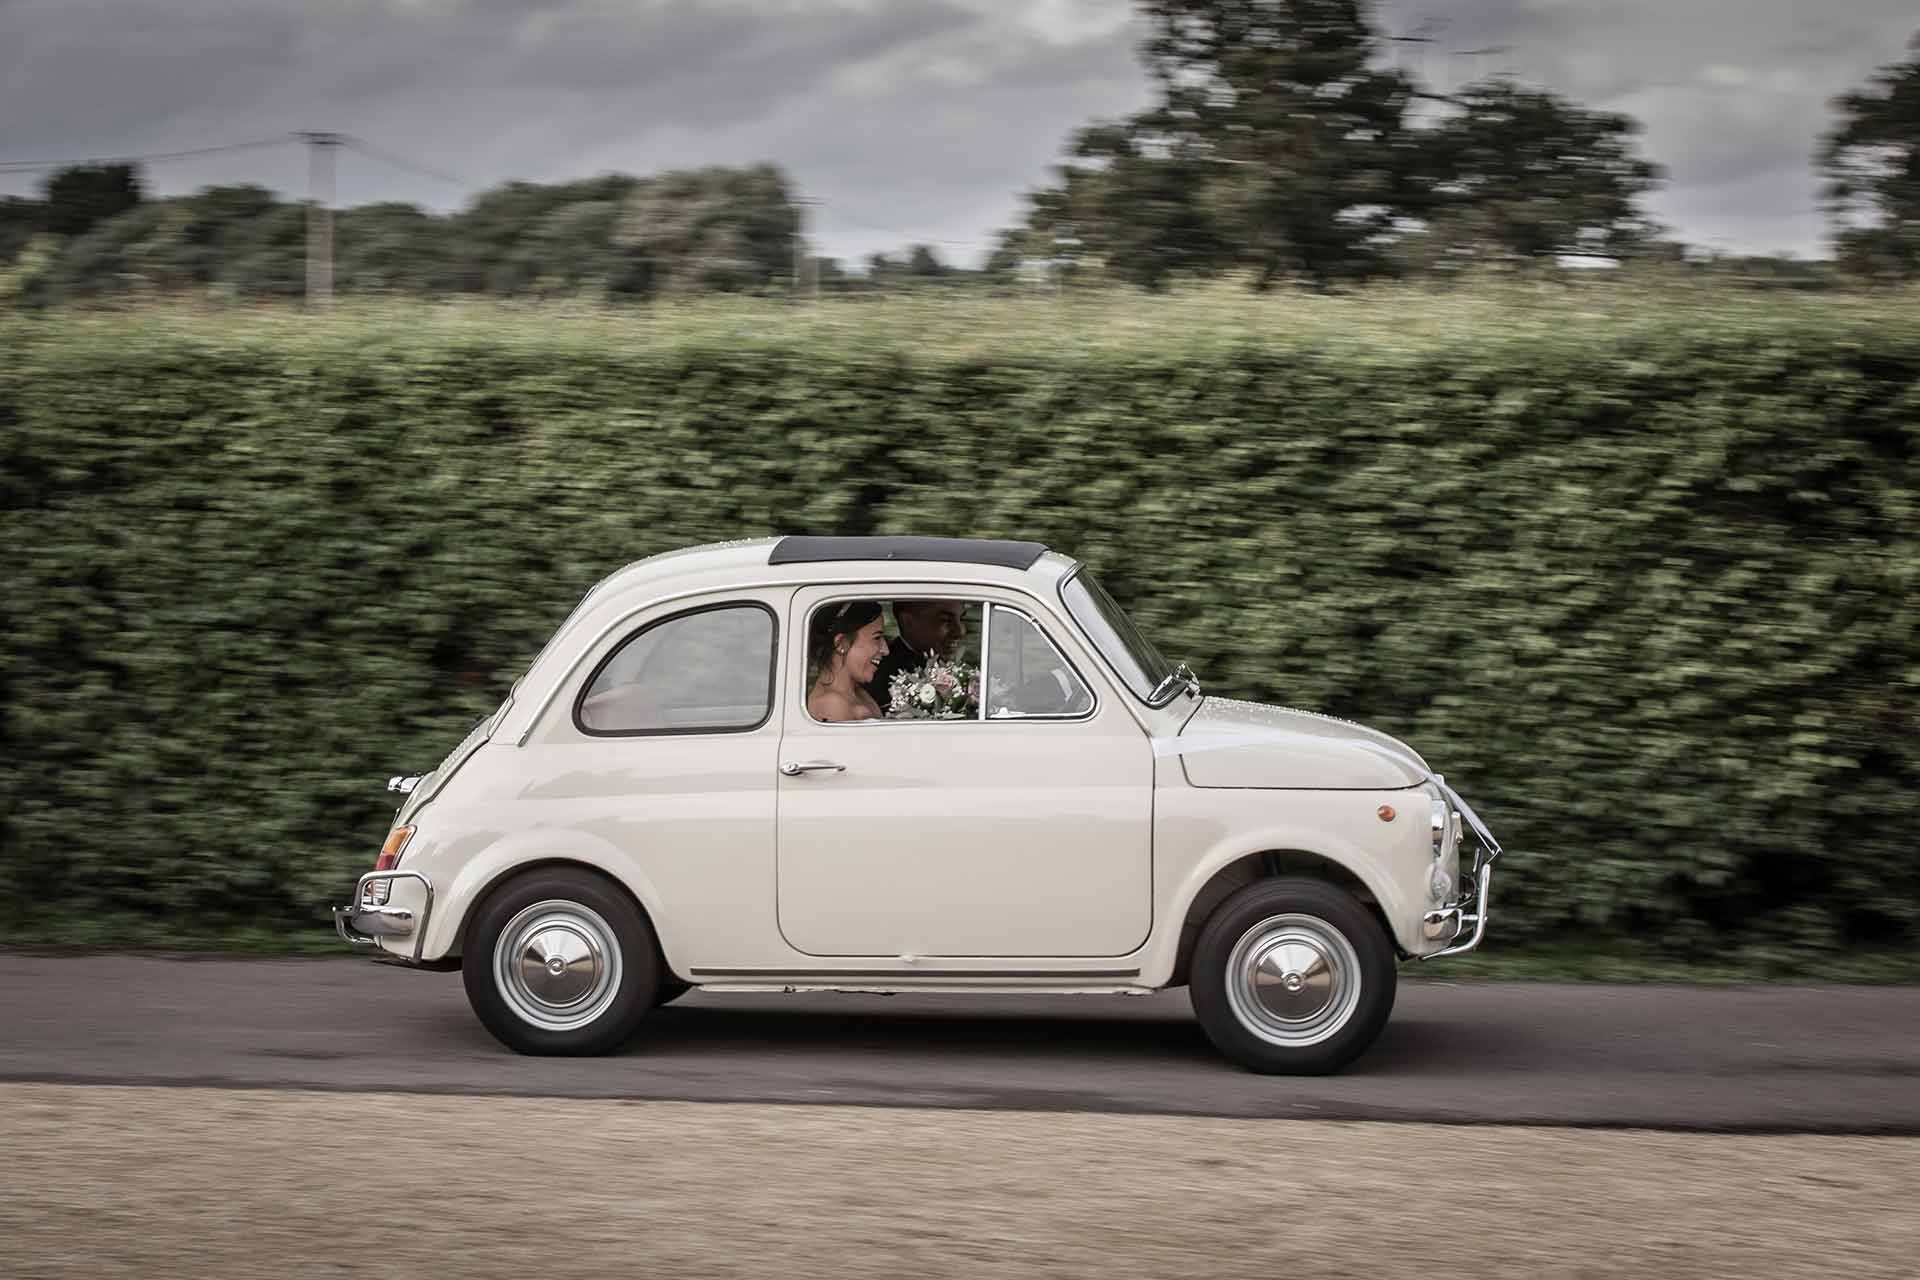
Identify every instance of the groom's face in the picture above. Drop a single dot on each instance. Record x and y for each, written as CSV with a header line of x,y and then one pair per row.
x,y
932,626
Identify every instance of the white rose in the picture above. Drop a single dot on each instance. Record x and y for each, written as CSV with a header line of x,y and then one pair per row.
x,y
925,694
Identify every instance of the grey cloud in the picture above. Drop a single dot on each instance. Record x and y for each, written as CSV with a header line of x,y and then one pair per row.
x,y
89,67
908,118
744,54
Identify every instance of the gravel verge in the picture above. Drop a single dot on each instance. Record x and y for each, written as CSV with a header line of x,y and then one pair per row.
x,y
110,1181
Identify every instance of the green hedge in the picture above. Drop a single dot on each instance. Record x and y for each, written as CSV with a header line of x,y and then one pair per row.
x,y
1638,571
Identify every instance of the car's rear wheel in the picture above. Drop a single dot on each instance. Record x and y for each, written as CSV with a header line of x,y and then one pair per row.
x,y
1292,977
560,961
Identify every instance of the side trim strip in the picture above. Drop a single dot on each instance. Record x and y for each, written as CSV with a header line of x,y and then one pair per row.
x,y
811,975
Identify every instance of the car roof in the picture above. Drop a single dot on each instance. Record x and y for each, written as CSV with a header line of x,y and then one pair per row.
x,y
1006,553
798,558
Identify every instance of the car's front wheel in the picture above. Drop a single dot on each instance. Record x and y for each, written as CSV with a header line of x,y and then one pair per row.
x,y
559,961
1292,977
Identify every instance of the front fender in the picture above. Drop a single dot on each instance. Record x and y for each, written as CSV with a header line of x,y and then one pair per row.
x,y
1391,864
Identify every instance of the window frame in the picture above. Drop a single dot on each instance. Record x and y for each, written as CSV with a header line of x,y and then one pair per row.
x,y
1099,650
773,675
888,596
986,658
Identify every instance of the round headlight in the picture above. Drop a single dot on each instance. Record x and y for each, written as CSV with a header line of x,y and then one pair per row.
x,y
1440,884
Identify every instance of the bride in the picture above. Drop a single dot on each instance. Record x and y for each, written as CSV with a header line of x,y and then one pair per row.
x,y
845,650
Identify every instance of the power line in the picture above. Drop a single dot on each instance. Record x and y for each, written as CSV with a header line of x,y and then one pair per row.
x,y
401,162
31,166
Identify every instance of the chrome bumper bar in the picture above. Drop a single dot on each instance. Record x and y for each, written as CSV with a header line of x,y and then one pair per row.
x,y
362,923
1452,922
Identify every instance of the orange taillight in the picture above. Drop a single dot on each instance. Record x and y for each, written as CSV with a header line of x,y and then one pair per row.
x,y
391,850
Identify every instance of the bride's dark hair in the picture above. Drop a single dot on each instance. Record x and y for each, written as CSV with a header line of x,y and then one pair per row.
x,y
830,622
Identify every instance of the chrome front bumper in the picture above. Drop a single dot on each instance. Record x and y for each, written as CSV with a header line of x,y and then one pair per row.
x,y
1466,917
363,922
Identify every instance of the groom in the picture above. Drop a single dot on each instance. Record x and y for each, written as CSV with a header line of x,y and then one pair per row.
x,y
928,629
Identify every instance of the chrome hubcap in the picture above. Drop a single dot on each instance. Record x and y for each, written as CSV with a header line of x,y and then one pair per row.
x,y
557,964
1293,980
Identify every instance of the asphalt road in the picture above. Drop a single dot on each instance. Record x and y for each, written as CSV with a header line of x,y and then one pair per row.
x,y
1741,1059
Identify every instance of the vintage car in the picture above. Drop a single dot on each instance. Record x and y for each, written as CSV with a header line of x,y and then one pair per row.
x,y
656,808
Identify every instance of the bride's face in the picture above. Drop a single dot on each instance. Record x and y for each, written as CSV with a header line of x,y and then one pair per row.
x,y
868,647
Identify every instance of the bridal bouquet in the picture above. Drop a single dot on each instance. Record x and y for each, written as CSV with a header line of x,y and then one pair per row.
x,y
943,689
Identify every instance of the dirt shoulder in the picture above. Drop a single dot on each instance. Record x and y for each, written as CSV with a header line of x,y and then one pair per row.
x,y
106,1181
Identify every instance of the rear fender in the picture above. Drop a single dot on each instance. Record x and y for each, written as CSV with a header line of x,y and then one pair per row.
x,y
522,850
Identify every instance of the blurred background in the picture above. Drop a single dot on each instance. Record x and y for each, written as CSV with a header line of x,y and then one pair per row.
x,y
1540,384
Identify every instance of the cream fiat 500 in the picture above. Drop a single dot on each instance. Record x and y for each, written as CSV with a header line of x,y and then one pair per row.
x,y
1031,800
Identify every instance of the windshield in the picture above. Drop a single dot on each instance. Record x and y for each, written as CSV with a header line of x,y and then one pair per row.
x,y
1130,654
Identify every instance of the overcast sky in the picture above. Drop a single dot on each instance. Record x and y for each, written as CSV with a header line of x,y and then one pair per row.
x,y
908,120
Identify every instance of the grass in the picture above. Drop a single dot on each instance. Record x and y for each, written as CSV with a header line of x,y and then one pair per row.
x,y
125,933
1376,322
1623,960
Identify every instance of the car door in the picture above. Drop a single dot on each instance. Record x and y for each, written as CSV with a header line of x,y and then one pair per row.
x,y
1024,830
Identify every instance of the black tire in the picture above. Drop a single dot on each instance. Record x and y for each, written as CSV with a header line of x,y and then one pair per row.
x,y
1314,934
669,990
564,913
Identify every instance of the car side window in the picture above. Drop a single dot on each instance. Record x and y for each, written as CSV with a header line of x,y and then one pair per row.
x,y
1026,676
886,658
706,671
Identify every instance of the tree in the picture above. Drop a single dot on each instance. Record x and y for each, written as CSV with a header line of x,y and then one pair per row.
x,y
1523,174
1275,145
240,240
830,274
615,235
391,247
569,250
1142,210
1279,146
1871,162
492,242
80,197
924,262
1010,250
711,229
20,221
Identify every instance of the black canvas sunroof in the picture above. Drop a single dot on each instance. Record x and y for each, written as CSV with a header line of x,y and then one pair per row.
x,y
1005,553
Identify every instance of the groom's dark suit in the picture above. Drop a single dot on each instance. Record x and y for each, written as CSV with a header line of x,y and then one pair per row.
x,y
901,656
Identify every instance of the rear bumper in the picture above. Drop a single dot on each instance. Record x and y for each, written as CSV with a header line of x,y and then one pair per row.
x,y
369,917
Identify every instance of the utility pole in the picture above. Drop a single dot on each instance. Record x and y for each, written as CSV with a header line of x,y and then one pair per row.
x,y
799,247
320,149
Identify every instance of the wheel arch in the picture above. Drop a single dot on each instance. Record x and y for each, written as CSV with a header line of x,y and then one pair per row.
x,y
510,872
486,873
1267,864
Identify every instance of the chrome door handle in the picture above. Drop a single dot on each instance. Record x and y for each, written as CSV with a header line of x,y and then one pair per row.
x,y
794,768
